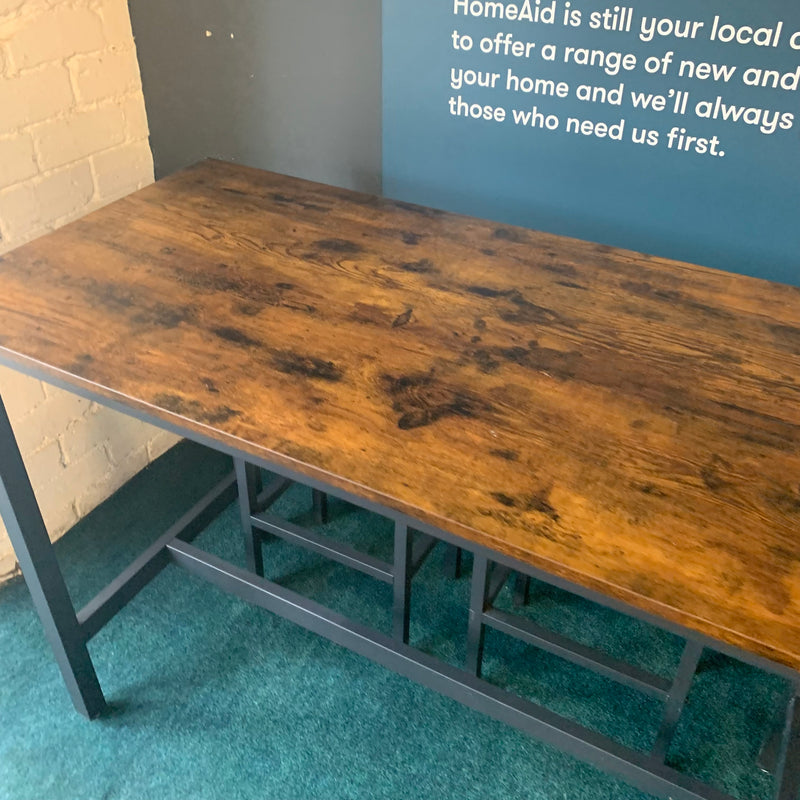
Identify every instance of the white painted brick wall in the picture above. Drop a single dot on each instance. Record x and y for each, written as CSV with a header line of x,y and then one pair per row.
x,y
73,136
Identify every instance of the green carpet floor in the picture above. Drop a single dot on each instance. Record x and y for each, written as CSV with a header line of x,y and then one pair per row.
x,y
212,698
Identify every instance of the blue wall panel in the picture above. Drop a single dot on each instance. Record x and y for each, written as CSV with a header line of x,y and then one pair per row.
x,y
737,212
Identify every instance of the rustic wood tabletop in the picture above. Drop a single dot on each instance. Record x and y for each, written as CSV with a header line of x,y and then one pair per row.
x,y
629,423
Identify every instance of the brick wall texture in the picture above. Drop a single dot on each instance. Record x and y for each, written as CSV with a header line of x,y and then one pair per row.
x,y
73,137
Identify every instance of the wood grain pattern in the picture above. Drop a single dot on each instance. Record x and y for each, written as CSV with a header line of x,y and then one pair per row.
x,y
629,423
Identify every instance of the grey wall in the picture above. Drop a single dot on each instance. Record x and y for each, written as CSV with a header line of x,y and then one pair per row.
x,y
288,85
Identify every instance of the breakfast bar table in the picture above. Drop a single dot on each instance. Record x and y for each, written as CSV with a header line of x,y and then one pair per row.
x,y
621,426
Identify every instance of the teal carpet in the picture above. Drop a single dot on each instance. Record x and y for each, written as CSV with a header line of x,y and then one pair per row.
x,y
212,698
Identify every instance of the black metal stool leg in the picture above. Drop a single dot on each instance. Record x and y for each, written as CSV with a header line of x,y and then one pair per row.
x,y
522,590
677,698
248,479
320,500
476,632
402,581
36,557
787,772
770,751
452,562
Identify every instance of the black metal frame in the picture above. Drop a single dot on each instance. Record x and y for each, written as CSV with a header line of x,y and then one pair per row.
x,y
69,632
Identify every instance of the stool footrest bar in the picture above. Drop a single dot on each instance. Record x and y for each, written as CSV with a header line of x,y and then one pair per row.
x,y
583,655
341,553
271,492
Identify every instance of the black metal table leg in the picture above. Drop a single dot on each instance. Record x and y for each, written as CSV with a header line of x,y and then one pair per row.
x,y
33,548
476,632
248,479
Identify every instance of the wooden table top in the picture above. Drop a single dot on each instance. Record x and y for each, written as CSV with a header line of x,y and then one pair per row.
x,y
629,423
